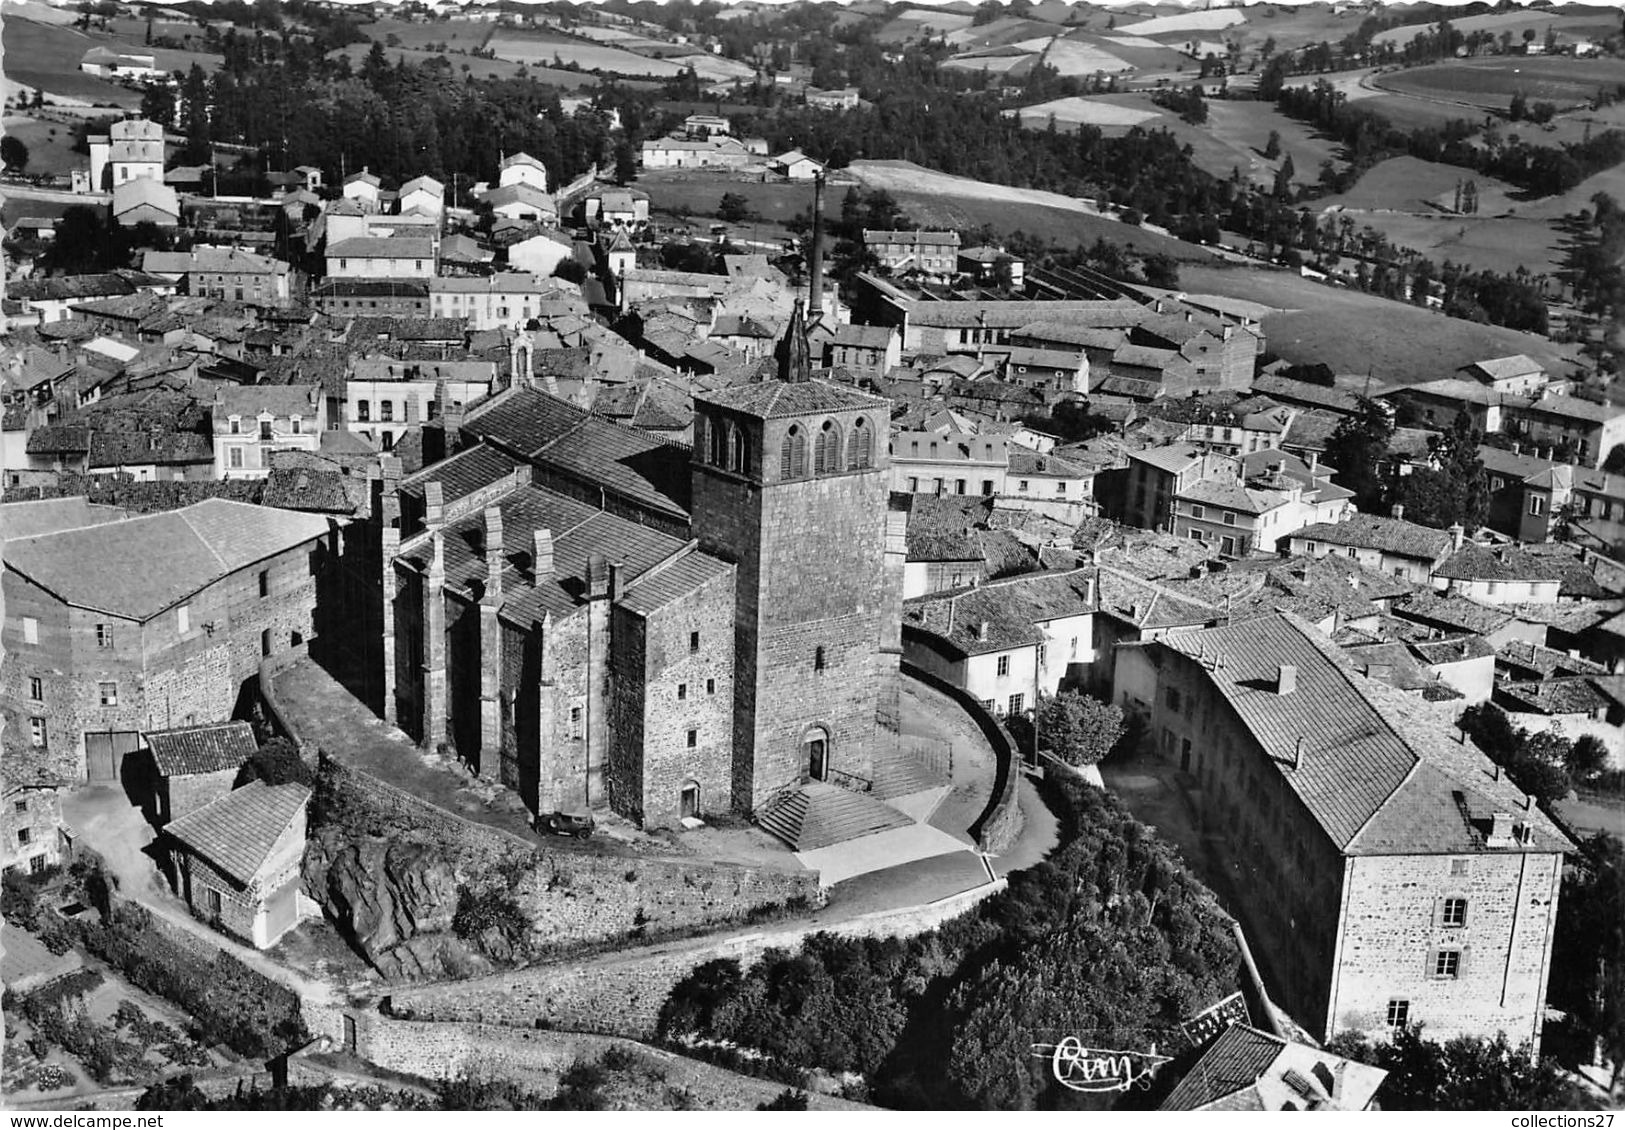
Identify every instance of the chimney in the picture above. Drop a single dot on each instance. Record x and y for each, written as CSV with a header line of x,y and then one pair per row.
x,y
1286,679
597,577
1517,447
617,575
494,549
1398,511
1457,536
815,275
1297,752
412,420
434,505
1500,830
981,630
541,556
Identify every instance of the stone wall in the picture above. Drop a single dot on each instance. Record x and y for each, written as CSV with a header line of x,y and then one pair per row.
x,y
1000,823
574,897
623,995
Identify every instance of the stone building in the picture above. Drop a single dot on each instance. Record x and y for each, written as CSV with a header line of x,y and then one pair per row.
x,y
148,623
1386,873
237,860
194,766
604,618
32,836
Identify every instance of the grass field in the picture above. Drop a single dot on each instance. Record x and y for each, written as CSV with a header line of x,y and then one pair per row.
x,y
1216,20
479,68
455,34
1352,332
46,153
1491,83
1407,184
1502,243
543,47
46,56
936,199
1293,27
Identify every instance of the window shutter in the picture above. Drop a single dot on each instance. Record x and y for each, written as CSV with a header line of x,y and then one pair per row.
x,y
1438,913
1428,965
1461,963
1466,911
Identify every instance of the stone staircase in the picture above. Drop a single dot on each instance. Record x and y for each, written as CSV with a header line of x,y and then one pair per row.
x,y
816,815
901,775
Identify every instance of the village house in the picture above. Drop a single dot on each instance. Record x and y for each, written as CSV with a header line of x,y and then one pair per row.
x,y
694,153
928,252
626,208
1587,430
383,397
237,860
390,257
983,264
1391,546
1517,374
1157,476
194,766
98,652
795,165
522,201
948,463
1247,1068
845,98
224,272
32,835
104,62
253,422
522,168
505,300
1500,575
383,297
130,150
1052,370
1385,872
1006,642
145,201
875,350
1275,497
364,189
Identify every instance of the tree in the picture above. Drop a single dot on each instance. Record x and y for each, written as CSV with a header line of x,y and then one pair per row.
x,y
1076,728
13,153
1518,110
1588,947
1283,179
1467,1073
626,163
276,762
1272,147
1454,491
733,208
1587,757
1357,448
1534,762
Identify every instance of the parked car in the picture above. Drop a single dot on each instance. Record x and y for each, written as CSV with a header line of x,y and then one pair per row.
x,y
577,824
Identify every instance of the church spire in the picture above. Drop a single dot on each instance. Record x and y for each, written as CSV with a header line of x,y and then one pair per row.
x,y
792,353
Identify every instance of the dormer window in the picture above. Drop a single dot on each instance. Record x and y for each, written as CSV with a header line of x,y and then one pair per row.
x,y
236,425
265,427
295,422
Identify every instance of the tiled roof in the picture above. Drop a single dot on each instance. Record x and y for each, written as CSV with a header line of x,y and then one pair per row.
x,y
1376,774
1248,1069
773,400
1573,695
1453,612
212,748
180,551
1389,535
53,515
237,832
1501,368
251,400
462,474
1001,615
1174,458
1148,605
1230,1065
1573,408
1233,496
382,247
671,581
1545,661
1481,563
1302,392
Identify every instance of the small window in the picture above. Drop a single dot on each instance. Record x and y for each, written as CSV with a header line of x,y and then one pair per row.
x,y
183,619
1460,867
1352,551
236,459
575,722
818,659
108,693
37,864
1229,518
1170,697
693,738
24,836
1447,964
265,582
1043,653
236,426
36,732
363,411
1197,511
710,686
104,635
265,429
1399,1013
30,630
1023,486
36,689
693,642
295,425
1017,704
1004,665
1454,912
20,806
1537,504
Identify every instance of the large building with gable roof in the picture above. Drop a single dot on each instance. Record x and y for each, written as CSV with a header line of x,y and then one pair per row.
x,y
1387,872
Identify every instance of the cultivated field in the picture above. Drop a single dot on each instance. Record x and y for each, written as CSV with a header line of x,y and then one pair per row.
x,y
542,47
1487,244
1083,111
1489,84
1215,20
937,199
1353,332
1600,23
455,34
919,23
1000,33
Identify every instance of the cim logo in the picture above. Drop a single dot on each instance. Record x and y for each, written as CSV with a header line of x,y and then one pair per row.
x,y
1082,1068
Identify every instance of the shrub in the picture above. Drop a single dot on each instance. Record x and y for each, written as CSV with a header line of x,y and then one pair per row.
x,y
492,907
786,1099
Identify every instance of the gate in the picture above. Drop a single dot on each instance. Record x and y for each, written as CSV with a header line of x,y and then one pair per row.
x,y
105,751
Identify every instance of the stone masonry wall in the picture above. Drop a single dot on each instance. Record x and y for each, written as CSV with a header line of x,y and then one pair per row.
x,y
623,995
1393,927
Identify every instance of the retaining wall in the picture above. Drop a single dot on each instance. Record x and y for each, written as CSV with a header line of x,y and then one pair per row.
x,y
1000,823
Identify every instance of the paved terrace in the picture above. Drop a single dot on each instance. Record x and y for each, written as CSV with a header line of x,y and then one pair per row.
x,y
324,713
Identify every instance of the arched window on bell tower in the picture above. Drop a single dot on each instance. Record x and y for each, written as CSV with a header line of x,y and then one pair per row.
x,y
793,454
827,449
860,447
738,449
716,449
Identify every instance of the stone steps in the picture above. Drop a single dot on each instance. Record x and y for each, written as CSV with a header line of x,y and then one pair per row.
x,y
900,776
817,815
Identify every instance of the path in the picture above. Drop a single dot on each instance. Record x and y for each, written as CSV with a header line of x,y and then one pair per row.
x,y
107,823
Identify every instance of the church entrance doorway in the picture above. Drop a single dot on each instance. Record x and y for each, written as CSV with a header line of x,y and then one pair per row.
x,y
691,801
815,748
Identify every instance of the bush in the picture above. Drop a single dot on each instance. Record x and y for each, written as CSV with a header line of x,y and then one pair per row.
x,y
786,1099
492,907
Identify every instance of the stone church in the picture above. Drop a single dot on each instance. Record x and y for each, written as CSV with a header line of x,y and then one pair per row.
x,y
607,619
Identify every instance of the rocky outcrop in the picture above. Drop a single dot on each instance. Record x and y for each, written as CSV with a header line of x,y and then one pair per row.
x,y
395,899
